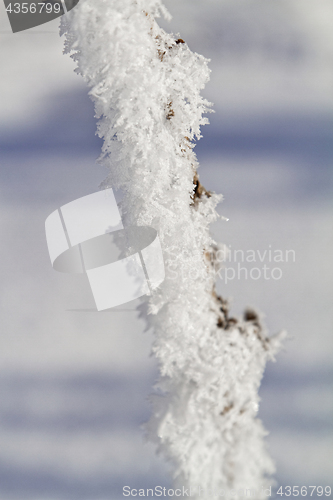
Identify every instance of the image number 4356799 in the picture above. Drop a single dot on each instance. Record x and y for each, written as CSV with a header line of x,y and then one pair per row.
x,y
24,15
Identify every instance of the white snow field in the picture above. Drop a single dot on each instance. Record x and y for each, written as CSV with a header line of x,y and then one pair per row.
x,y
74,385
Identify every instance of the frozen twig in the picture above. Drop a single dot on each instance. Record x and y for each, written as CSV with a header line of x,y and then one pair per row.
x,y
146,87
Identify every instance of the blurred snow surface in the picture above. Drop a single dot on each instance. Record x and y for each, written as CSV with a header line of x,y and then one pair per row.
x,y
74,385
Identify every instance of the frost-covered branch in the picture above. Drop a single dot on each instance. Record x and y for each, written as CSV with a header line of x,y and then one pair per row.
x,y
146,87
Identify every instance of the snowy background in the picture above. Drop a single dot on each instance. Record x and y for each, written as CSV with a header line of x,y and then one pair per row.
x,y
74,385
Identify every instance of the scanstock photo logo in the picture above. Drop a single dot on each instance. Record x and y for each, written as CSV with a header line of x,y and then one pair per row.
x,y
24,15
87,236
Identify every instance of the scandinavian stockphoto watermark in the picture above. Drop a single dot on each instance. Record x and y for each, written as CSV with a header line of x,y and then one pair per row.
x,y
26,14
87,236
230,264
184,492
253,264
252,493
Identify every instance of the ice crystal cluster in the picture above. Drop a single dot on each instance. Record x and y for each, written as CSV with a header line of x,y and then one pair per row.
x,y
146,87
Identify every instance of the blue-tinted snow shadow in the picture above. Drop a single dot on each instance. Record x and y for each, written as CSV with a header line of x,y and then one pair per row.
x,y
93,401
66,405
54,160
274,159
67,129
308,135
297,401
67,125
25,483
